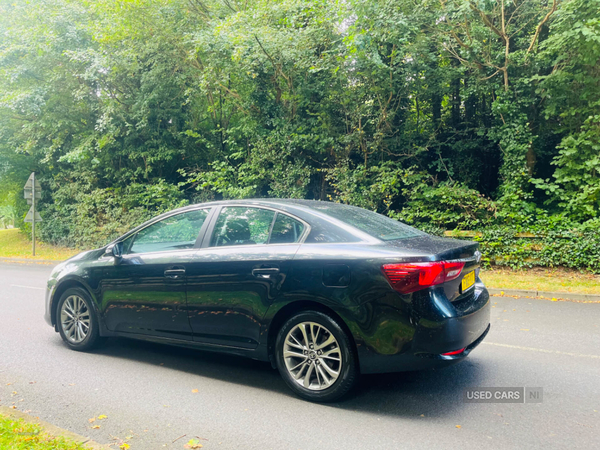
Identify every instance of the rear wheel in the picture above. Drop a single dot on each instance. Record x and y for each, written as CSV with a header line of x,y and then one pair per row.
x,y
315,357
77,322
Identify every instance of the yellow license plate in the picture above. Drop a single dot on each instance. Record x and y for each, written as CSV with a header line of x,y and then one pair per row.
x,y
468,281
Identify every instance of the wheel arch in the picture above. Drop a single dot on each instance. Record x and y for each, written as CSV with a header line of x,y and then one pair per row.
x,y
289,310
60,290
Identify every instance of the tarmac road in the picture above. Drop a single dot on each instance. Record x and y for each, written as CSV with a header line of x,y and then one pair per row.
x,y
146,390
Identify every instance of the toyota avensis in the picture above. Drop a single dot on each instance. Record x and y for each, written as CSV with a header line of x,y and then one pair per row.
x,y
323,291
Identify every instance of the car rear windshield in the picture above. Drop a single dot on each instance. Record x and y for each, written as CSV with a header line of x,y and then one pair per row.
x,y
374,224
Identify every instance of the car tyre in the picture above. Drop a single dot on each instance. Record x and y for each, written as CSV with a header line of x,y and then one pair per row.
x,y
316,357
77,321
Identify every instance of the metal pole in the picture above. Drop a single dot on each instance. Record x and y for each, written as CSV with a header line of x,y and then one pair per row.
x,y
33,210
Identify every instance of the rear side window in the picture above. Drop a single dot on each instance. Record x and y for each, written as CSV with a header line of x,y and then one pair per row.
x,y
173,233
330,234
238,225
374,224
286,230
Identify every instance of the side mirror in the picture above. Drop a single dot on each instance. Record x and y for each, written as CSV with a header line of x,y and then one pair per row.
x,y
115,250
118,250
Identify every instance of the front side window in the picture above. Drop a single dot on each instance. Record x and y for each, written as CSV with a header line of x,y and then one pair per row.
x,y
238,225
173,233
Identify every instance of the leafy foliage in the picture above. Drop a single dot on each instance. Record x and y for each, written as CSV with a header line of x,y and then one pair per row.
x,y
84,216
456,114
572,94
577,246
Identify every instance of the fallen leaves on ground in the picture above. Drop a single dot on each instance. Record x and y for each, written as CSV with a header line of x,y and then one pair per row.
x,y
192,444
121,443
194,391
458,426
95,427
102,417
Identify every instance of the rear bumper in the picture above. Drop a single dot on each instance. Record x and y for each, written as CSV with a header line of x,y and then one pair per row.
x,y
450,330
420,361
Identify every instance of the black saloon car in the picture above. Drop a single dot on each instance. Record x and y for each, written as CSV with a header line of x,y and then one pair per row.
x,y
323,291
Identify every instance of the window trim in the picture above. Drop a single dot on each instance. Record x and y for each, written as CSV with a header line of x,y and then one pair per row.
x,y
219,208
199,239
271,226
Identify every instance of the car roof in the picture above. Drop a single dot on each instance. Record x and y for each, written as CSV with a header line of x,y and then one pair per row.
x,y
307,210
303,209
300,207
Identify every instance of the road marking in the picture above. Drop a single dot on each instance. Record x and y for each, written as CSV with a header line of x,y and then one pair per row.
x,y
28,287
541,350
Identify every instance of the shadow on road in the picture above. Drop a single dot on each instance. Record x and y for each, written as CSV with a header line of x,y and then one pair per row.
x,y
434,393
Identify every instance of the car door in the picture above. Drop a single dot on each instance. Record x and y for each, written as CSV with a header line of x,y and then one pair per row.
x,y
144,292
240,269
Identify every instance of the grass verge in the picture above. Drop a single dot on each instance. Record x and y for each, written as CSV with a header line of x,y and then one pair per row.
x,y
20,435
14,244
542,279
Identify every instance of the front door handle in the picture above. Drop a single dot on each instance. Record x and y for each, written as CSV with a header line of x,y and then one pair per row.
x,y
175,274
265,272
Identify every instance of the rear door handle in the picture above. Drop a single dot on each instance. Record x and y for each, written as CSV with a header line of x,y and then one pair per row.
x,y
175,274
265,272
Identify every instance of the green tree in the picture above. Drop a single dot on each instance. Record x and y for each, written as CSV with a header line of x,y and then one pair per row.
x,y
571,94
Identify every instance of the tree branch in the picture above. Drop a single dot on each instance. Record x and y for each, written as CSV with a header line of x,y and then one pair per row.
x,y
487,20
200,8
275,66
491,76
514,12
541,24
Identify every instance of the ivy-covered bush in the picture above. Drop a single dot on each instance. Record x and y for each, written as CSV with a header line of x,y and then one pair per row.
x,y
447,205
546,245
83,218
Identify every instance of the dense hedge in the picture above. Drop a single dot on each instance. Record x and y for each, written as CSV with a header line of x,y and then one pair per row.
x,y
576,247
89,218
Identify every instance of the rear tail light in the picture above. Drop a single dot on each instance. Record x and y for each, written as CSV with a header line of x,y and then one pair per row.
x,y
411,277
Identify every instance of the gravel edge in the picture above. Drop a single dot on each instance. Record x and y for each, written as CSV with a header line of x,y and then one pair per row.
x,y
544,295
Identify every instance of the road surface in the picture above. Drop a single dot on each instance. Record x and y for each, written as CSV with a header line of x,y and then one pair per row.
x,y
148,391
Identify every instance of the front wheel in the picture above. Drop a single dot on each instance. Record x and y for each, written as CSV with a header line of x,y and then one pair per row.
x,y
77,322
315,357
